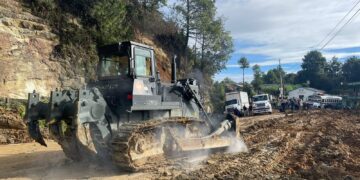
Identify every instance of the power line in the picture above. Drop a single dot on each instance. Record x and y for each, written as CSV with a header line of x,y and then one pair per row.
x,y
341,28
337,25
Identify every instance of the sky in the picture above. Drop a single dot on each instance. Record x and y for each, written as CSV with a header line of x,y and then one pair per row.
x,y
267,30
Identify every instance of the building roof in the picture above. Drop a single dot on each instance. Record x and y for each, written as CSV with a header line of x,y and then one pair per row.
x,y
310,89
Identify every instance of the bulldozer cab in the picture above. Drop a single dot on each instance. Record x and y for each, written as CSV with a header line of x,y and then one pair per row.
x,y
126,59
126,75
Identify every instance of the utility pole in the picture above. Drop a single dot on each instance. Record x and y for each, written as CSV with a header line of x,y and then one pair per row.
x,y
281,81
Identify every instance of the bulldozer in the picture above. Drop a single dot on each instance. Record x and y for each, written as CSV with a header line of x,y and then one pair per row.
x,y
128,115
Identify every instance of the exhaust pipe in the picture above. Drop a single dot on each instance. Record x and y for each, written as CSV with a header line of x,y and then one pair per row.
x,y
173,70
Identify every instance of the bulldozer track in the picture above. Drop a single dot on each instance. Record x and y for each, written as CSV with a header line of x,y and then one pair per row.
x,y
122,144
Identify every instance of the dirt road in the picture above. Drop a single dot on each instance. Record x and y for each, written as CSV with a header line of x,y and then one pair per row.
x,y
32,161
302,146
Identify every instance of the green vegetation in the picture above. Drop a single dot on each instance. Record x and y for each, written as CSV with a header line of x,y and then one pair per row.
x,y
258,80
316,72
244,63
18,106
83,25
328,75
212,46
193,32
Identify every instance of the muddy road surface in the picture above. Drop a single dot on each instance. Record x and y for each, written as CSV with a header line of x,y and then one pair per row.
x,y
307,145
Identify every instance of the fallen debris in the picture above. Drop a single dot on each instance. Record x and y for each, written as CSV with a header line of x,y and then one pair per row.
x,y
12,128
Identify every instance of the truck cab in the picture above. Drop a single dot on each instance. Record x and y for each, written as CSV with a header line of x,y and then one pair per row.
x,y
261,104
235,103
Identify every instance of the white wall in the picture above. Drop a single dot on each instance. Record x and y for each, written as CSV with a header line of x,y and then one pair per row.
x,y
301,91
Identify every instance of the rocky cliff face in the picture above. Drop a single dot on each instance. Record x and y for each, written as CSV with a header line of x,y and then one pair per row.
x,y
26,61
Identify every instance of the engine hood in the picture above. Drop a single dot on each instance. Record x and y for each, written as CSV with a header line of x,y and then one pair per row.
x,y
260,102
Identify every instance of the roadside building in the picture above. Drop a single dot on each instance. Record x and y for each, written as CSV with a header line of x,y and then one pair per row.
x,y
304,92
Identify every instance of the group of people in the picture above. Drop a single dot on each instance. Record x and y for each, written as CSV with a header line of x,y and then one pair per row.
x,y
292,103
246,111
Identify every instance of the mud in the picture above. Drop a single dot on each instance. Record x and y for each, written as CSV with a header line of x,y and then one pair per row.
x,y
315,145
12,127
303,146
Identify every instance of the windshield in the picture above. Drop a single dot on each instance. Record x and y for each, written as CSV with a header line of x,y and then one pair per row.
x,y
260,98
114,66
230,102
143,62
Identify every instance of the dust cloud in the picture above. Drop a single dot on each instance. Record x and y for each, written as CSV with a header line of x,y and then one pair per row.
x,y
237,146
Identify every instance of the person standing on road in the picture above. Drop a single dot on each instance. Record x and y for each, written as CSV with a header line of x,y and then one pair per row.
x,y
301,104
292,104
250,109
283,105
245,111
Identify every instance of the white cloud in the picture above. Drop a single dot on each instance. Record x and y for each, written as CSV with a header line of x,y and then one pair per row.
x,y
269,62
341,55
234,77
287,29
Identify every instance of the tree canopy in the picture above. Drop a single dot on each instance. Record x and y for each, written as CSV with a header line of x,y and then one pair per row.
x,y
258,78
244,63
351,69
212,44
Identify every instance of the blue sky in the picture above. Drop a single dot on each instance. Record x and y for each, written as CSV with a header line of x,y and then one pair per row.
x,y
265,31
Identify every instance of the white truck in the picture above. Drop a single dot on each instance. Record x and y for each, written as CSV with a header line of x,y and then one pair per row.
x,y
235,102
261,104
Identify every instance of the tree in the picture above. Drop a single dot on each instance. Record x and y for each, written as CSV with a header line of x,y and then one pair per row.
x,y
212,43
188,17
314,63
217,97
313,69
248,89
110,21
290,78
351,69
258,81
144,15
243,62
273,76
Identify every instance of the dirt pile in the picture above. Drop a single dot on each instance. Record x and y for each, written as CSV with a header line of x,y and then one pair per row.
x,y
304,146
12,128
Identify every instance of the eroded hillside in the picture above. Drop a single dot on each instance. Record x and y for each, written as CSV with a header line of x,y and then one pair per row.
x,y
28,59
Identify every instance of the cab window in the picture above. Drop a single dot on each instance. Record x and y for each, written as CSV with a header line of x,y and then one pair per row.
x,y
143,64
114,66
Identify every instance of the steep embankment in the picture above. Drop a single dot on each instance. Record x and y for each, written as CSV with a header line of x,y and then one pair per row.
x,y
26,61
27,58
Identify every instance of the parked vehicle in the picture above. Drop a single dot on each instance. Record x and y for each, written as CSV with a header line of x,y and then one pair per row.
x,y
237,102
261,104
325,101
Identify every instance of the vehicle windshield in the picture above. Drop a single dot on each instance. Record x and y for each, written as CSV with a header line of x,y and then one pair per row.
x,y
260,98
143,62
114,66
230,102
